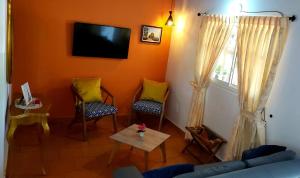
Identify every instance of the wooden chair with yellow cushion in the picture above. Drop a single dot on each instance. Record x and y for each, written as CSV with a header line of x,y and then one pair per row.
x,y
151,99
89,104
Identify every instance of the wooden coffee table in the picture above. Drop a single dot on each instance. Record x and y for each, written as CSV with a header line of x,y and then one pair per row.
x,y
152,139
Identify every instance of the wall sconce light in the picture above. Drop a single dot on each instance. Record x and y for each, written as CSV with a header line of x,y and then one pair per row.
x,y
170,21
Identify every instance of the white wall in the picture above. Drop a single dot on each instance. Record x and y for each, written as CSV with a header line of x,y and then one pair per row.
x,y
3,87
221,104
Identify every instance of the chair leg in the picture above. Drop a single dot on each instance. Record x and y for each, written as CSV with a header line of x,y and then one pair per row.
x,y
72,123
114,120
187,146
74,120
160,121
96,120
84,130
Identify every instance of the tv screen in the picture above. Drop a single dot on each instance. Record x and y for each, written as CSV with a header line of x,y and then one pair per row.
x,y
100,41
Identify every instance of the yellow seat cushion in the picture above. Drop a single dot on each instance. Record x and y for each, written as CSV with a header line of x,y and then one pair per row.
x,y
154,91
88,89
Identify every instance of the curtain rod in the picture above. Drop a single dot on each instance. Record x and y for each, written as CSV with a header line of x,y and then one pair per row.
x,y
291,18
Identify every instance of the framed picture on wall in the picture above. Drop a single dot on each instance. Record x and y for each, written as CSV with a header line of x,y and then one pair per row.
x,y
151,34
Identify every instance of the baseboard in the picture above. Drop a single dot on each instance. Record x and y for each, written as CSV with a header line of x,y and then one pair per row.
x,y
55,118
180,128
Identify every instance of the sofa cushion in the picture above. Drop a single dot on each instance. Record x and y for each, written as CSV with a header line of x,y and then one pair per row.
x,y
263,150
127,172
214,169
169,172
276,157
284,169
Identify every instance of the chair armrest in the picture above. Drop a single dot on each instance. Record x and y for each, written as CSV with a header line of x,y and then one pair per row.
x,y
165,100
78,101
166,96
127,172
76,94
135,97
106,91
108,95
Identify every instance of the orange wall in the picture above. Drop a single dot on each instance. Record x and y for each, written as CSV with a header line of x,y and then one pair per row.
x,y
43,43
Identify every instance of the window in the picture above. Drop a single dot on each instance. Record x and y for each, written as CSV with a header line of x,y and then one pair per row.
x,y
225,69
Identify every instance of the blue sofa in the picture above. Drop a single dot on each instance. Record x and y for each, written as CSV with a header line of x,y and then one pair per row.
x,y
278,165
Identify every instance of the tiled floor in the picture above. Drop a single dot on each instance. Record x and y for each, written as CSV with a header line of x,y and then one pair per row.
x,y
67,156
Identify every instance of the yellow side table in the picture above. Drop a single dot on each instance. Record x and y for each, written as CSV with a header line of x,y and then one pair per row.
x,y
19,117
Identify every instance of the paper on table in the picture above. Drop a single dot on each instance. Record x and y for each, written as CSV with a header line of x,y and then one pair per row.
x,y
26,93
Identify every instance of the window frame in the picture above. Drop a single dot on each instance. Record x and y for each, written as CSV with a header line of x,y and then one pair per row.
x,y
228,85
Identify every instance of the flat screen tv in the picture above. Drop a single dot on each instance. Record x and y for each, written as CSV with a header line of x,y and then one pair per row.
x,y
100,41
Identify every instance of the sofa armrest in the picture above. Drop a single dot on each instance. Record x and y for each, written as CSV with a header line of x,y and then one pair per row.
x,y
127,172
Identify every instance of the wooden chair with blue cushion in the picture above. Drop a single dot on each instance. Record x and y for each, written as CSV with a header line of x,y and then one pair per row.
x,y
89,104
151,99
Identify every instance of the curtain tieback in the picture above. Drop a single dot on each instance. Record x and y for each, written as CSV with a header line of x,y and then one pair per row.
x,y
247,114
197,87
255,116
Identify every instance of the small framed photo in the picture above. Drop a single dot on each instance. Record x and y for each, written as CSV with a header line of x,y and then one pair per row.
x,y
26,93
151,34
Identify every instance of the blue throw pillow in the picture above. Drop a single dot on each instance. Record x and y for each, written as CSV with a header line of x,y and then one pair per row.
x,y
170,171
263,150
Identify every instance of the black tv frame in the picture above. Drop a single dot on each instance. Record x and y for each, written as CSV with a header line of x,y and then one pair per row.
x,y
75,53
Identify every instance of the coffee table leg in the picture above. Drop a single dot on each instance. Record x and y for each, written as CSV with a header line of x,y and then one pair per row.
x,y
163,152
114,150
42,154
146,160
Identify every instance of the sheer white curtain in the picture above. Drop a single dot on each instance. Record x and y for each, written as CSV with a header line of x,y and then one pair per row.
x,y
259,48
213,35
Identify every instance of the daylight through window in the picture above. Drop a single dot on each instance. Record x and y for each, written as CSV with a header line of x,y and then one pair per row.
x,y
225,69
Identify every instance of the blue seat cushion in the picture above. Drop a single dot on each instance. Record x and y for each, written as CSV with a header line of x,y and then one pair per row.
x,y
213,169
169,171
263,150
98,109
148,106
